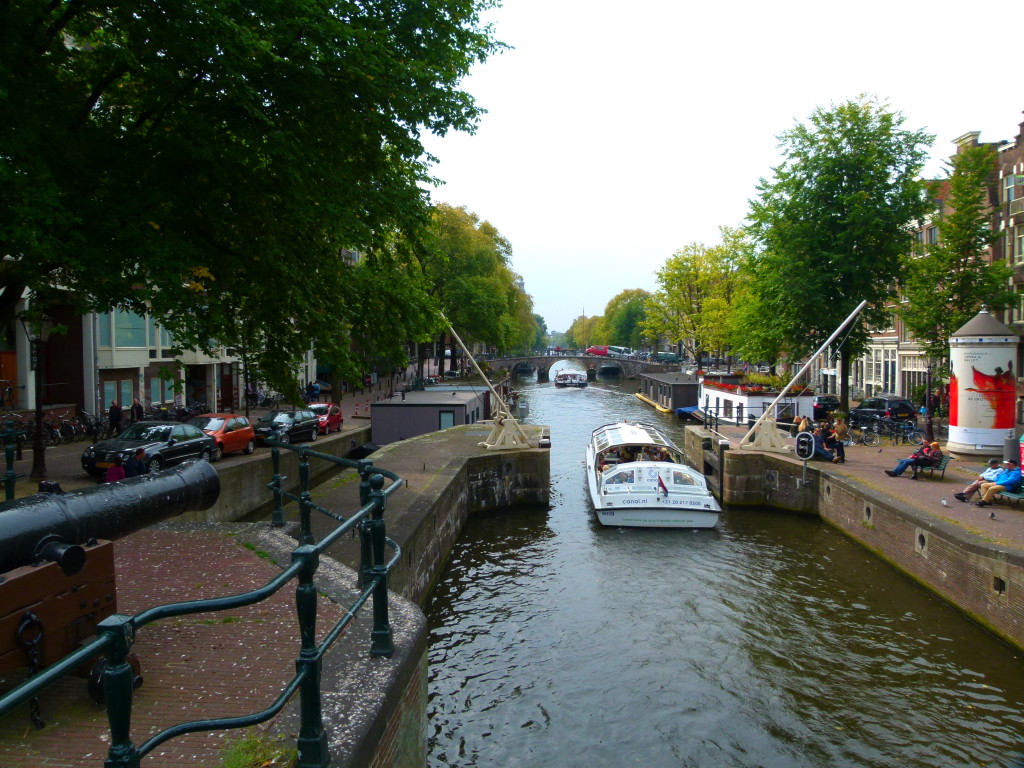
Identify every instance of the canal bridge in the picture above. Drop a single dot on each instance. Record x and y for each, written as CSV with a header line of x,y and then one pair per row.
x,y
626,367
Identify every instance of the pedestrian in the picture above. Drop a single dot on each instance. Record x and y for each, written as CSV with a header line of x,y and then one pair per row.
x,y
1007,480
136,465
115,472
987,476
137,411
835,444
928,455
820,451
114,418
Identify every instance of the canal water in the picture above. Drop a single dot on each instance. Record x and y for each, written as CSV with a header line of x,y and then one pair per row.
x,y
770,641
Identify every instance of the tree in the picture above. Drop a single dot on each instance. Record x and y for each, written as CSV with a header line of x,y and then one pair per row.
x,y
466,272
623,318
952,280
832,227
210,163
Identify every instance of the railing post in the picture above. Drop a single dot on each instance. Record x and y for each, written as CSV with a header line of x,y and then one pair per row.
x,y
305,523
312,740
118,687
382,642
277,518
365,529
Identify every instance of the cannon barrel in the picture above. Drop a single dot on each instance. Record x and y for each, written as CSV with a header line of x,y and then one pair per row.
x,y
54,526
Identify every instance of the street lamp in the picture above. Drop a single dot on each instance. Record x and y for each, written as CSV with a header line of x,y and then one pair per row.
x,y
929,435
38,332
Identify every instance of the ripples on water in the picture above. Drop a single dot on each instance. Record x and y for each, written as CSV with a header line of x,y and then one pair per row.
x,y
770,641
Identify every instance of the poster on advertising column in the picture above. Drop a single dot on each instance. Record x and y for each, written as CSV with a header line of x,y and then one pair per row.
x,y
983,385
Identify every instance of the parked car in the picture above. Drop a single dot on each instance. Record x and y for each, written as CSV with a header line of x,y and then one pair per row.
x,y
596,350
166,443
453,374
883,407
824,405
288,426
330,417
232,433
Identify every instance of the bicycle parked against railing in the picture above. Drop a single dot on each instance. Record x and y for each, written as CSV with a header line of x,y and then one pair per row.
x,y
900,432
861,436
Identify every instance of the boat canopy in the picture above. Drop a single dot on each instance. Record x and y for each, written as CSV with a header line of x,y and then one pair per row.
x,y
628,434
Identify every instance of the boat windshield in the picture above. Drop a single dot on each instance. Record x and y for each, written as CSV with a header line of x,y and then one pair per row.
x,y
682,478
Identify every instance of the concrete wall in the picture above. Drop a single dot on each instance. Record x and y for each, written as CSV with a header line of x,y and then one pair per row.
x,y
981,579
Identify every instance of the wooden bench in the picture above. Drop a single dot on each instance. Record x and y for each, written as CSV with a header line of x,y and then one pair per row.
x,y
940,467
1011,496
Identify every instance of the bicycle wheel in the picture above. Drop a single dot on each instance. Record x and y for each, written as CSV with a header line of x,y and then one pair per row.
x,y
915,437
941,431
871,438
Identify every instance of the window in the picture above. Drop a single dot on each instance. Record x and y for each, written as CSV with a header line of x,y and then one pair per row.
x,y
1019,249
919,243
103,324
1009,189
933,235
1018,305
129,329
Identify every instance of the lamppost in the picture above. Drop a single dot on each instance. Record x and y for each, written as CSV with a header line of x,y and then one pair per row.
x,y
929,435
38,332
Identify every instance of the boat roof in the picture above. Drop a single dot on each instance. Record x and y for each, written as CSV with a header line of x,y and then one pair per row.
x,y
628,433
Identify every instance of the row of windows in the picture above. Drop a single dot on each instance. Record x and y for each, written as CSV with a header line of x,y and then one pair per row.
x,y
127,330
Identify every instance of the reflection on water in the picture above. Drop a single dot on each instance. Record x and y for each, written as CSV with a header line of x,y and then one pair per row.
x,y
770,641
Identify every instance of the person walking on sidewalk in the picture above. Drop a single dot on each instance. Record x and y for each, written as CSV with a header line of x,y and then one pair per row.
x,y
1007,480
985,477
928,455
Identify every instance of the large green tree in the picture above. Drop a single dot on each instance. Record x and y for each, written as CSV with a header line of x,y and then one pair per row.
x,y
947,284
623,318
832,226
210,162
466,271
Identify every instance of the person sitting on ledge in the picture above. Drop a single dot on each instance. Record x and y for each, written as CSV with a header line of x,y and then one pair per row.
x,y
1007,480
820,451
987,476
925,456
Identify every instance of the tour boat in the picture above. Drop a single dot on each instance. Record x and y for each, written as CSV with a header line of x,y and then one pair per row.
x,y
571,379
636,477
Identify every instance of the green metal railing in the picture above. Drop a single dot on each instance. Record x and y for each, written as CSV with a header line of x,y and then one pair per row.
x,y
116,634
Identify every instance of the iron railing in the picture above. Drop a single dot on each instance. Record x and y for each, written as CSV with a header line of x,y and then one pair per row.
x,y
116,634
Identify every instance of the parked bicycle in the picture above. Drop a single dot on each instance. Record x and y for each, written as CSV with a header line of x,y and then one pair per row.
x,y
900,432
861,436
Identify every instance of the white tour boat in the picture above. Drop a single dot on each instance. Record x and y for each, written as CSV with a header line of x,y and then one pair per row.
x,y
637,477
571,379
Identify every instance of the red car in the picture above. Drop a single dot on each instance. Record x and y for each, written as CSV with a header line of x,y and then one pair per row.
x,y
330,417
231,431
597,350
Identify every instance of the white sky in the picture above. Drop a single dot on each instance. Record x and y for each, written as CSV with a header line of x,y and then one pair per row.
x,y
618,132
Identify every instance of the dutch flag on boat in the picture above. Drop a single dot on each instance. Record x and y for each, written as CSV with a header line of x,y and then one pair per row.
x,y
662,486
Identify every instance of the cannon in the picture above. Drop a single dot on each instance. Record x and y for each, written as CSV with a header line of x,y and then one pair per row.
x,y
57,559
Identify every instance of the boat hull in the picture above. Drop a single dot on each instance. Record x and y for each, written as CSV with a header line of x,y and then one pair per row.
x,y
655,517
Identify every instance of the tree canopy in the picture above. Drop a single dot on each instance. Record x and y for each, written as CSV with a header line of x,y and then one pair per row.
x,y
951,280
210,163
832,226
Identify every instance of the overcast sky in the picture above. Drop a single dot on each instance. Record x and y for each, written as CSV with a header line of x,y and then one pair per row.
x,y
617,133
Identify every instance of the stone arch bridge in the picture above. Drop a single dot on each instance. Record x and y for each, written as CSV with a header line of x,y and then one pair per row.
x,y
592,364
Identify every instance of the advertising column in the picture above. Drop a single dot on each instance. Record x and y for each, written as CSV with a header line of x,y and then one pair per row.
x,y
982,387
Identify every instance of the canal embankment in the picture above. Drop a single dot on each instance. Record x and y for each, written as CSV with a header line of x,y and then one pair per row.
x,y
970,556
215,666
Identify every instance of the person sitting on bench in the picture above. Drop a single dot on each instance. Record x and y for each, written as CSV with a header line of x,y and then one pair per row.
x,y
1007,480
986,476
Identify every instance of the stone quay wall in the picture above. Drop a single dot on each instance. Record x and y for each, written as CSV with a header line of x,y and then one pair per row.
x,y
978,576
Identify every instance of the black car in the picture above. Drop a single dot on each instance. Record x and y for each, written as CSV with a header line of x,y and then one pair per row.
x,y
166,443
883,407
288,426
824,405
